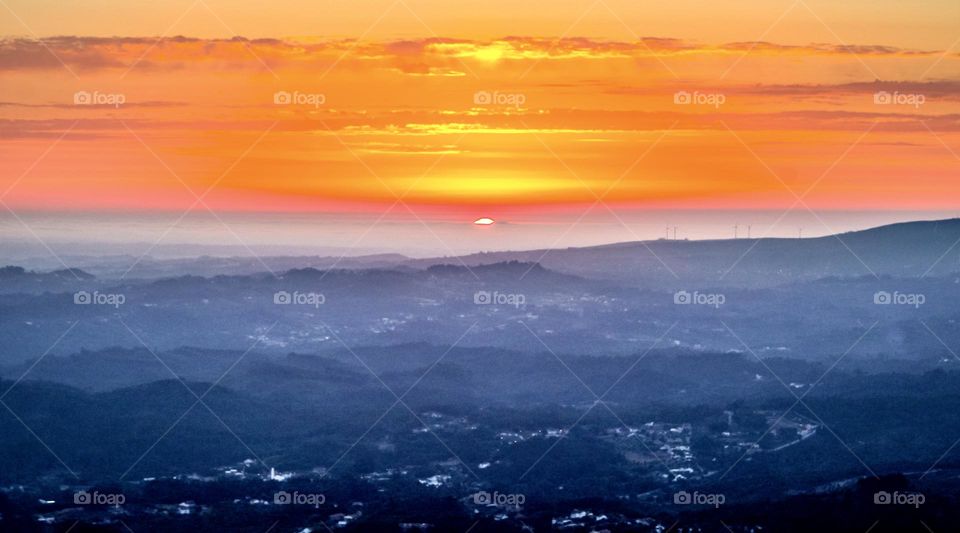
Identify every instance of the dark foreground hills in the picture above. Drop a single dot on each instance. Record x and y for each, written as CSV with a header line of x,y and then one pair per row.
x,y
729,386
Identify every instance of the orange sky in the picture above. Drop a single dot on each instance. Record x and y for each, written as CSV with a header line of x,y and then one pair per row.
x,y
478,107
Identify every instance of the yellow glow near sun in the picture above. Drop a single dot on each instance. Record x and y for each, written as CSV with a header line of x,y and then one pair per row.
x,y
489,53
491,187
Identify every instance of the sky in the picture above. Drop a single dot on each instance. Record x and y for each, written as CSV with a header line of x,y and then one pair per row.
x,y
391,122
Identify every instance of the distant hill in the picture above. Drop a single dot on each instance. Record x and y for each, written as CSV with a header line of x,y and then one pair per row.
x,y
132,267
912,249
16,279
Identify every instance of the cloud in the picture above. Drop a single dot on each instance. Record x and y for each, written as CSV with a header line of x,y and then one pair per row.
x,y
934,89
943,89
417,56
824,48
55,105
